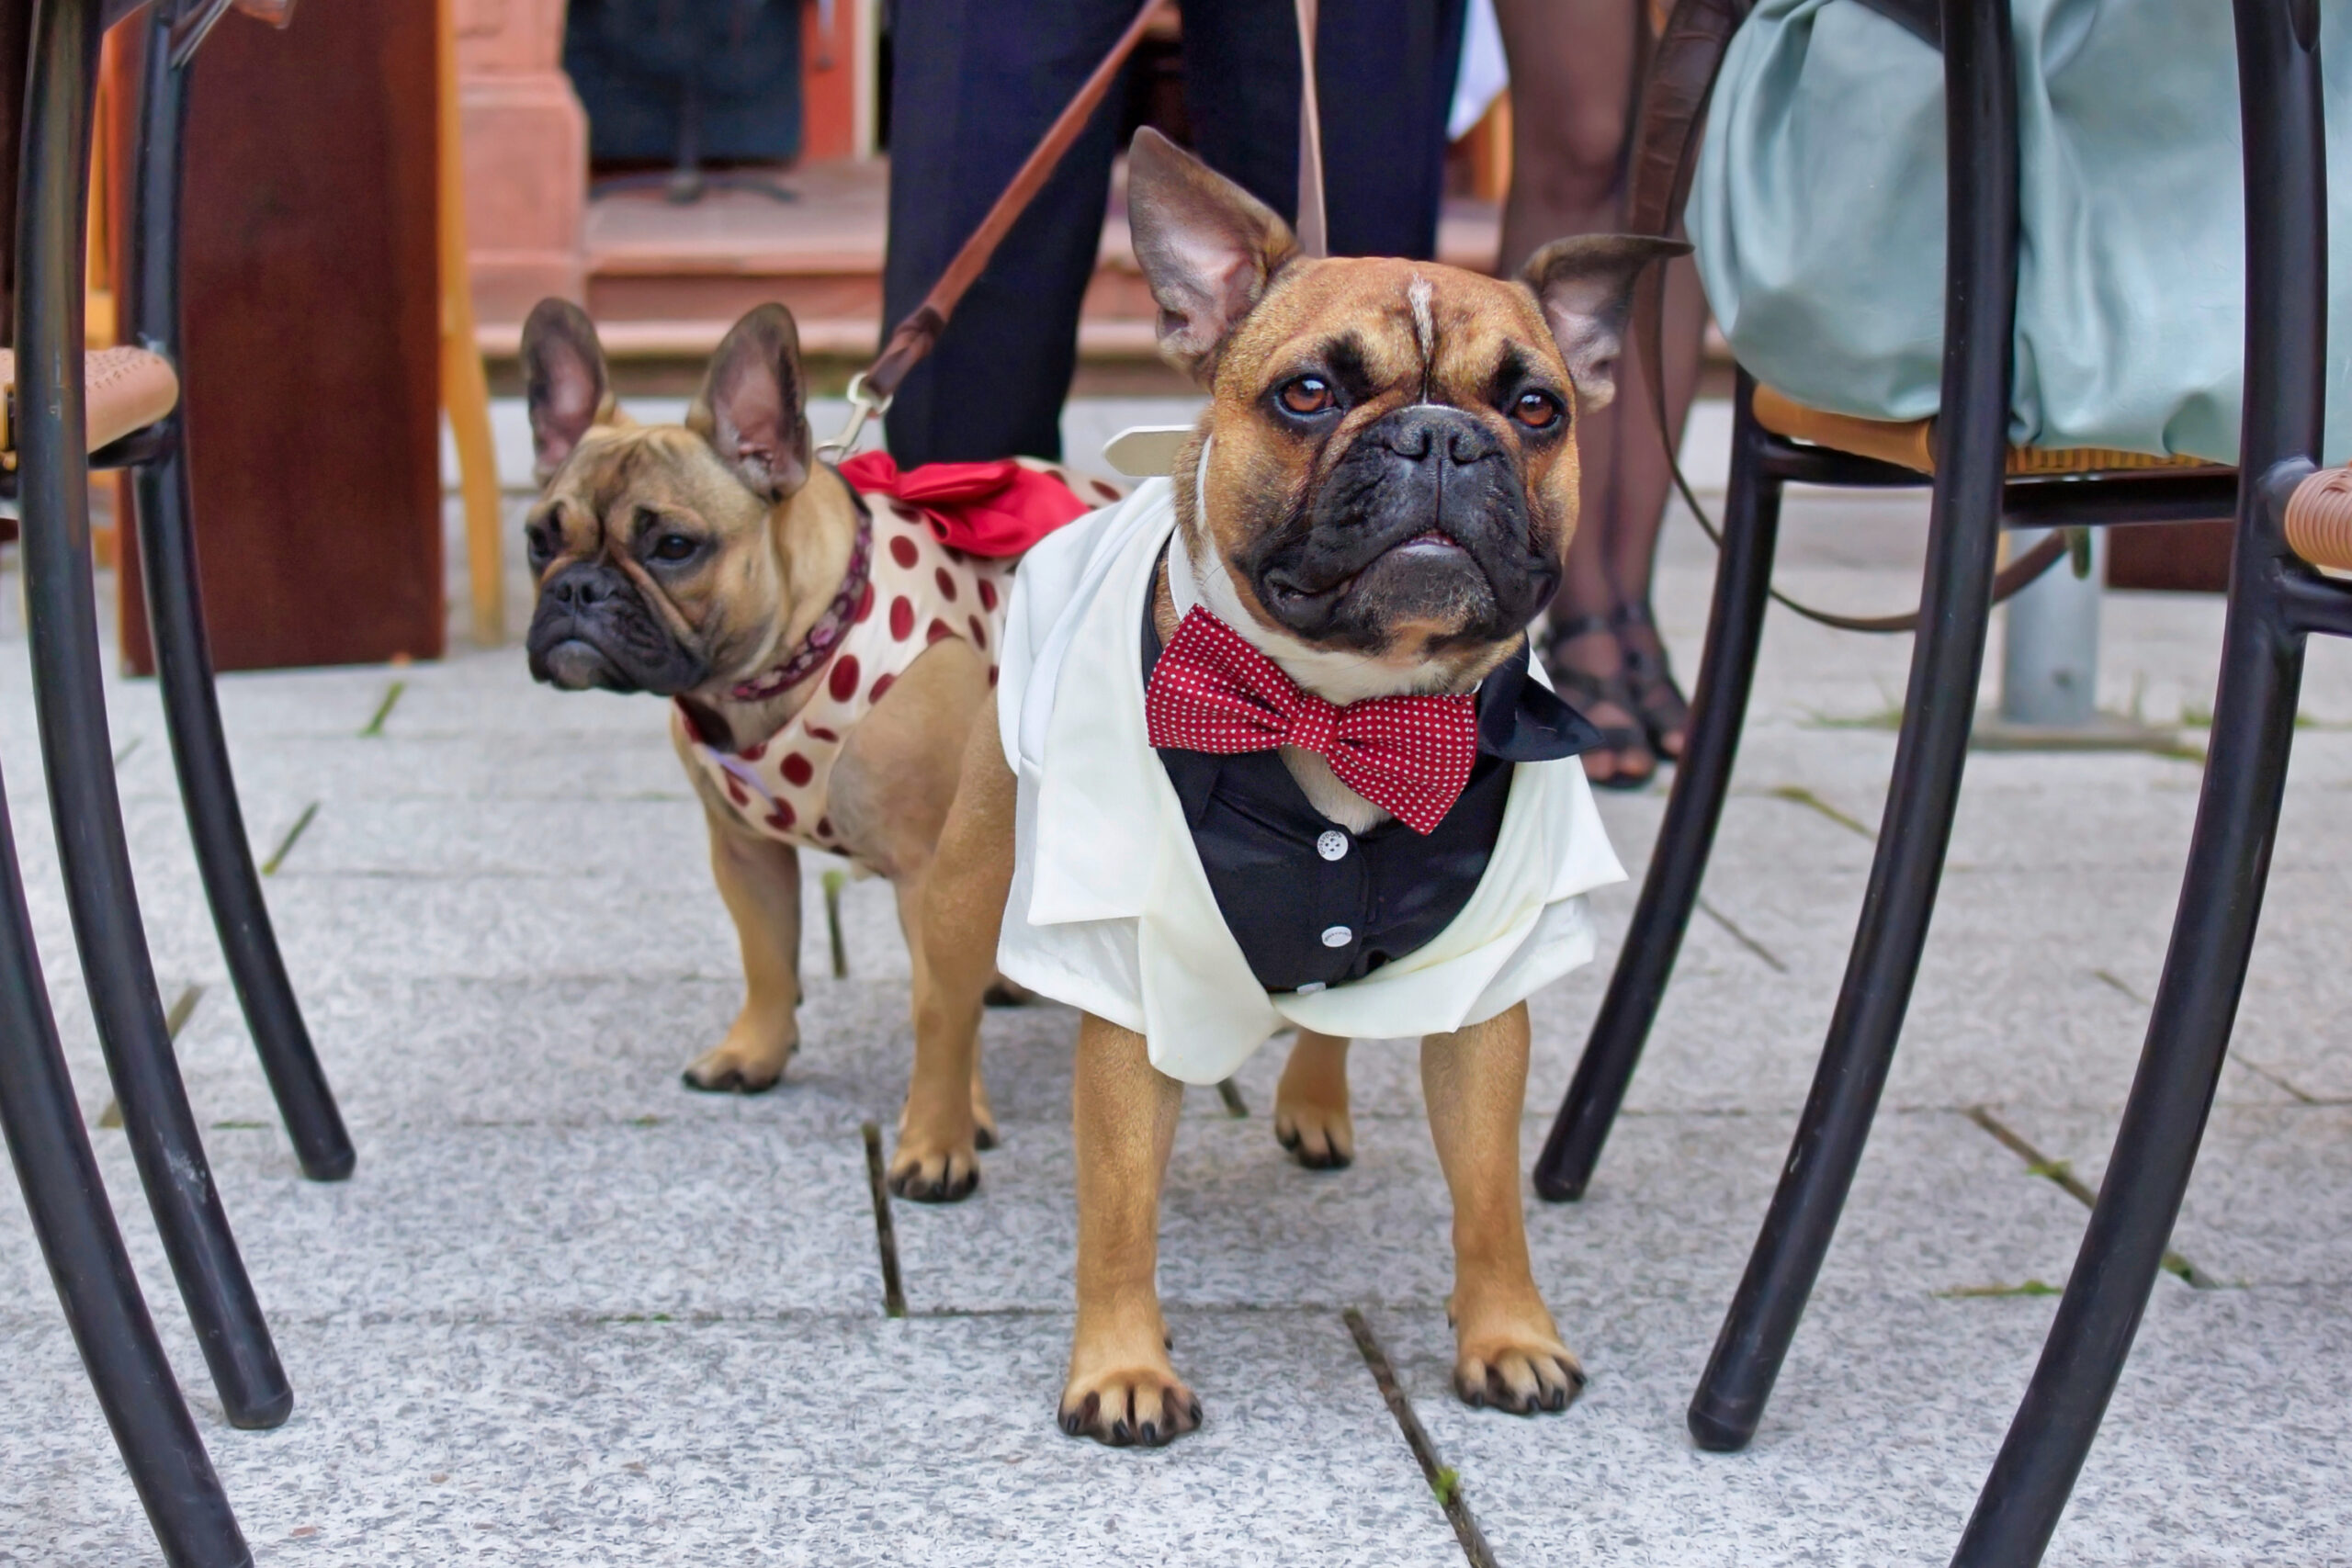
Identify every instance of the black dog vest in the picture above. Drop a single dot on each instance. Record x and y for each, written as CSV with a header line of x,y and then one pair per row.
x,y
1313,905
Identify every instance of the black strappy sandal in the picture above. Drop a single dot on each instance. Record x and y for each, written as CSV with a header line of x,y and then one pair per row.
x,y
1586,692
1657,701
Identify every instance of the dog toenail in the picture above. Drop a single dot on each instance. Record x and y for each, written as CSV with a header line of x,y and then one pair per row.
x,y
1194,1411
1151,1432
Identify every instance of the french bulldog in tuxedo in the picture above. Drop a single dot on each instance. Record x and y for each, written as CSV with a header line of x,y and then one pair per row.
x,y
1268,752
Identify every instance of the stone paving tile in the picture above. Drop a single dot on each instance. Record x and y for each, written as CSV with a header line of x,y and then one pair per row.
x,y
2267,1201
1938,1205
787,1439
1884,1424
682,1218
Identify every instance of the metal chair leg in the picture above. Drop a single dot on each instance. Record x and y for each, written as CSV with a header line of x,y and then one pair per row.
x,y
53,495
94,1283
2237,811
184,658
1981,271
1686,836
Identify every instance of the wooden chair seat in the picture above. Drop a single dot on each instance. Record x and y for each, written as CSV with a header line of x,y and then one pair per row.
x,y
125,388
1911,442
2319,519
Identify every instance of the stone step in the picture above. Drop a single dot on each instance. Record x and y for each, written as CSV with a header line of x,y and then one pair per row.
x,y
665,280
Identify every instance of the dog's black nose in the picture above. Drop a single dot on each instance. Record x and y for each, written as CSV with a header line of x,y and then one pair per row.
x,y
1426,431
583,584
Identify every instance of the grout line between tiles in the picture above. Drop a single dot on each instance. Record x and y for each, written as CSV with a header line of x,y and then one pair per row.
x,y
1797,795
2061,1173
886,1236
1741,937
1442,1479
375,727
175,1019
286,845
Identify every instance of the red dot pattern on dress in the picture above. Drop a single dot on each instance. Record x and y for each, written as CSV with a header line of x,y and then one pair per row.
x,y
1211,692
780,786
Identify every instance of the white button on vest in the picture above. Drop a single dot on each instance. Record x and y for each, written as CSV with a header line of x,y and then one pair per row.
x,y
1333,845
1337,936
1311,986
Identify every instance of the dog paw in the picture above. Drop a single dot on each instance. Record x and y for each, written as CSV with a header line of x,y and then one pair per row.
x,y
1321,1138
730,1068
933,1172
1145,1406
1522,1374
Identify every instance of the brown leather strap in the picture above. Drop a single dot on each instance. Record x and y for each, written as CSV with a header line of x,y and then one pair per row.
x,y
915,336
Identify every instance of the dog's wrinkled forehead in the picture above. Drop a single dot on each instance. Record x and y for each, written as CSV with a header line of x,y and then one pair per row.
x,y
621,477
1416,330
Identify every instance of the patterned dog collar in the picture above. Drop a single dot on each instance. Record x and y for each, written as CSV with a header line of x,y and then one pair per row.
x,y
826,635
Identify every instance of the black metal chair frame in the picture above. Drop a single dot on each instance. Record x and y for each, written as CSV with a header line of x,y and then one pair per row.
x,y
1973,499
2275,603
39,1111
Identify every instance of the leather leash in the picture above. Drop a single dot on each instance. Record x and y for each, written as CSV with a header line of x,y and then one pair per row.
x,y
871,390
1683,67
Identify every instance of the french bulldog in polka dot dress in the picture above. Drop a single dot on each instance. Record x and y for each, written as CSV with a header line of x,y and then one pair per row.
x,y
824,636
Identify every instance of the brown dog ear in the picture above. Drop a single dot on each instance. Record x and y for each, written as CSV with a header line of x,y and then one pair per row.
x,y
1206,247
752,408
1586,286
563,376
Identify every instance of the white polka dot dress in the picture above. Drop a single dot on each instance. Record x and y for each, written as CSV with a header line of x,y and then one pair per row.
x,y
919,591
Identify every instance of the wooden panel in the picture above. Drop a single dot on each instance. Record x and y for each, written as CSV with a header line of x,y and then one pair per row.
x,y
312,390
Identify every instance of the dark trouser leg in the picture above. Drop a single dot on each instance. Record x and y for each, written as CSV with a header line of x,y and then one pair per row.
x,y
184,660
54,495
1726,670
1384,69
975,84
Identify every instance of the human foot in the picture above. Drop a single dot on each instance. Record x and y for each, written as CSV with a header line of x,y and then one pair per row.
x,y
1588,668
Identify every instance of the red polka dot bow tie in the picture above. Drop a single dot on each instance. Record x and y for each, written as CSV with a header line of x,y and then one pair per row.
x,y
1211,692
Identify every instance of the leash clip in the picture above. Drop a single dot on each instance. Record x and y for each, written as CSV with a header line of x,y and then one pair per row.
x,y
862,405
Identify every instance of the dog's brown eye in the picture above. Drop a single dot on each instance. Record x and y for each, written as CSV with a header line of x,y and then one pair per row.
x,y
1537,410
1308,394
673,547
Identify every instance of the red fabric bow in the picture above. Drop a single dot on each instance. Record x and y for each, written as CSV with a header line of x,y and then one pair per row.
x,y
1211,692
985,509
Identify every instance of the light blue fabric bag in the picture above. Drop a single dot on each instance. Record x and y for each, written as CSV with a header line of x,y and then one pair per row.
x,y
1817,209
